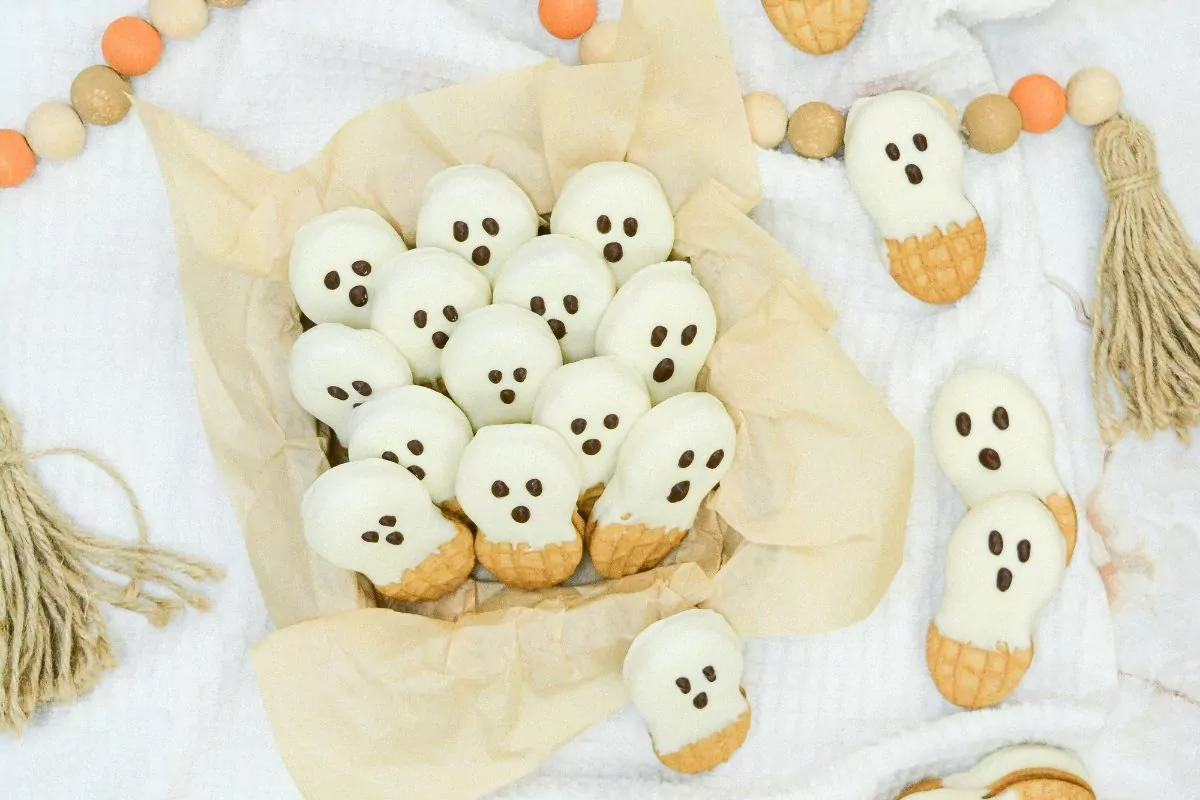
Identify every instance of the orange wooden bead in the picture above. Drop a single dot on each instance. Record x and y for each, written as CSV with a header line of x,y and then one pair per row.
x,y
567,19
131,46
1042,102
16,159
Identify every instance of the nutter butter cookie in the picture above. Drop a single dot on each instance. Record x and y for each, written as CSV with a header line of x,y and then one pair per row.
x,y
1020,772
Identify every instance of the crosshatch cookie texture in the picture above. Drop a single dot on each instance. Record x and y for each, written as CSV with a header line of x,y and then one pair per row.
x,y
818,27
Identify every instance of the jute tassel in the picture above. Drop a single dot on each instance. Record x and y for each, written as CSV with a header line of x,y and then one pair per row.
x,y
53,640
1146,331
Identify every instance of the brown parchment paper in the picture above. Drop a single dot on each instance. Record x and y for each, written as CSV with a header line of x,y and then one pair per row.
x,y
457,697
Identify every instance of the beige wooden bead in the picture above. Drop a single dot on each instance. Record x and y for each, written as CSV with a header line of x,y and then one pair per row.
x,y
101,96
816,130
179,19
767,117
227,3
55,132
992,123
1093,96
597,45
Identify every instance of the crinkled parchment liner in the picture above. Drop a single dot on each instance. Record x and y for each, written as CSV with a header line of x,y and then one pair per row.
x,y
482,686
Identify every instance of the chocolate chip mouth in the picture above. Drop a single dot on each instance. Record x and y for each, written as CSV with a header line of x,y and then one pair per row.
x,y
481,256
1003,579
358,296
520,514
557,327
700,700
613,252
507,396
664,370
440,339
914,174
591,447
989,458
679,492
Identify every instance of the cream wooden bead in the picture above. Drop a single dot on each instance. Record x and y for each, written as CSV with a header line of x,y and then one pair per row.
x,y
55,132
597,45
1093,96
768,119
179,19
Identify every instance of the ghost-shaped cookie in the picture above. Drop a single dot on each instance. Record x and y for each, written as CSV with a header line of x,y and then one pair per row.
x,y
1018,772
563,281
419,429
374,517
663,323
417,308
592,405
684,674
337,261
991,435
518,484
619,209
335,368
496,363
1004,562
905,163
477,212
672,458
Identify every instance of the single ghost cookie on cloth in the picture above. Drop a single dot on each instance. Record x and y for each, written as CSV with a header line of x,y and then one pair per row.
x,y
991,435
419,429
518,484
663,323
563,281
592,405
335,368
905,163
672,458
1019,772
496,363
619,209
337,261
1004,562
477,212
374,517
417,308
684,674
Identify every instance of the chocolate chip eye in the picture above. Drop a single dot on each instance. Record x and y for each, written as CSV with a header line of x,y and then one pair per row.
x,y
362,387
461,231
537,305
892,151
658,336
578,425
338,393
450,313
1023,550
495,376
571,304
499,489
534,487
388,455
332,280
688,336
490,226
1000,418
395,537
370,536
684,685
715,459
710,674
420,318
921,142
361,268
995,543
963,423
519,374
630,226
612,421
388,521
415,447
603,224
685,460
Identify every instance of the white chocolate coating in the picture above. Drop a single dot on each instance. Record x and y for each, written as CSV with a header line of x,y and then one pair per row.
x,y
334,369
563,281
1022,451
419,429
668,453
682,652
477,212
1004,562
352,501
519,484
663,323
921,188
975,783
638,228
593,405
496,362
417,308
338,260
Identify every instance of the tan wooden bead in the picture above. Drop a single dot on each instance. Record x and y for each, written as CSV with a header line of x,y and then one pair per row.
x,y
101,96
816,130
768,119
992,123
597,45
55,132
227,3
179,19
1093,96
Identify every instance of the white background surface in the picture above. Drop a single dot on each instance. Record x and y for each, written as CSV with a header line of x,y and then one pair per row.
x,y
93,352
